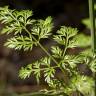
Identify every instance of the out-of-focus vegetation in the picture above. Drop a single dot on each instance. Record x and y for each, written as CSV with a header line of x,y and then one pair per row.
x,y
86,21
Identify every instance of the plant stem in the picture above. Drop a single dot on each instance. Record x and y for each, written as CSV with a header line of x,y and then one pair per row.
x,y
66,45
35,40
49,93
45,51
42,69
41,46
92,21
93,33
31,36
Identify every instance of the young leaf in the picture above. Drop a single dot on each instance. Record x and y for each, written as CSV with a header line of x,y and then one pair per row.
x,y
25,72
72,60
23,16
19,43
57,52
49,74
59,39
36,67
67,31
14,27
46,62
43,28
15,20
5,15
92,66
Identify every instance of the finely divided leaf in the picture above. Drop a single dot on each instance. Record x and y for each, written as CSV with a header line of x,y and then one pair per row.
x,y
43,28
25,72
19,43
57,52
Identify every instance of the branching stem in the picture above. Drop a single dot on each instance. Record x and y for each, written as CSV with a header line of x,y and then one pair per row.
x,y
46,51
31,36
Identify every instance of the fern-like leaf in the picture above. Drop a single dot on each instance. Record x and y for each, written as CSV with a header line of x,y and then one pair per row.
x,y
57,52
25,72
43,28
19,43
36,67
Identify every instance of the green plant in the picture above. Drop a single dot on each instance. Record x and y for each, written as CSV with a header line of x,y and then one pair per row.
x,y
28,33
86,21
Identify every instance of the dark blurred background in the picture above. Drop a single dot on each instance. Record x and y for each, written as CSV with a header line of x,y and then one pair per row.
x,y
63,12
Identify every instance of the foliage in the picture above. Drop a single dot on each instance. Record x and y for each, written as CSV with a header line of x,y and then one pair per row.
x,y
17,23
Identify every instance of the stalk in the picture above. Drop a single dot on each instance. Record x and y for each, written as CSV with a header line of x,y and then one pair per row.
x,y
93,33
92,21
38,43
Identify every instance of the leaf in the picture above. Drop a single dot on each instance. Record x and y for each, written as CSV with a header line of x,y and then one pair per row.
x,y
36,72
19,43
7,30
49,74
25,72
14,27
57,52
4,8
67,31
23,16
43,28
59,39
46,62
72,60
49,71
25,13
15,20
92,66
36,30
6,19
5,16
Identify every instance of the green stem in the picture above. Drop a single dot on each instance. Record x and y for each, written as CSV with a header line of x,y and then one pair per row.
x,y
41,46
92,21
31,36
93,33
45,51
48,93
66,45
42,69
35,40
